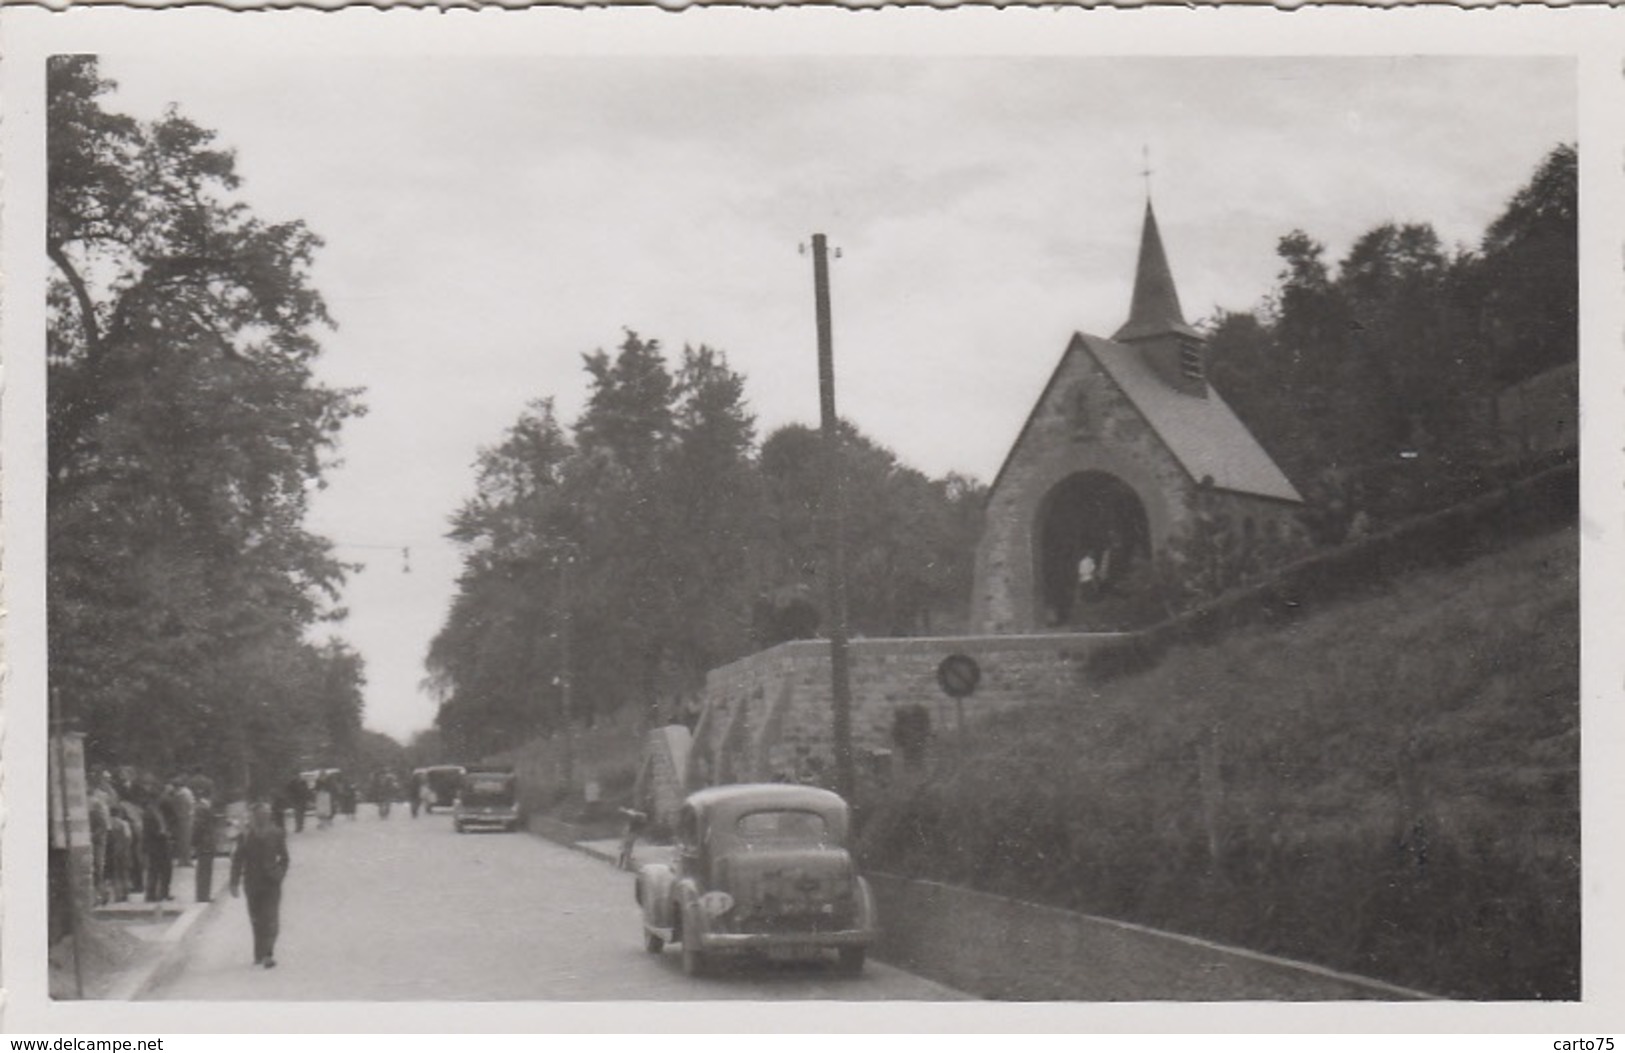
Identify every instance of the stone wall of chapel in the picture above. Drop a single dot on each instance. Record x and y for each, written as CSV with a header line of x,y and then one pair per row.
x,y
1083,423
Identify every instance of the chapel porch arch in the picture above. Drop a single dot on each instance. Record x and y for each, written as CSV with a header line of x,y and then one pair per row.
x,y
1091,515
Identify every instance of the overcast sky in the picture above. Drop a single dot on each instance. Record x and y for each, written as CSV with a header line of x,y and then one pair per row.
x,y
489,220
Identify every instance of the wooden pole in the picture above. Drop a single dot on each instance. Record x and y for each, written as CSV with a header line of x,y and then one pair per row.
x,y
564,671
834,527
66,816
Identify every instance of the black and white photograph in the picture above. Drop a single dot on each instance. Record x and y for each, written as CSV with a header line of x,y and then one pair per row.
x,y
971,517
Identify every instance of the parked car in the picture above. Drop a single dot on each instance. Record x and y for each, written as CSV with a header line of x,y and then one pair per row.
x,y
489,797
759,868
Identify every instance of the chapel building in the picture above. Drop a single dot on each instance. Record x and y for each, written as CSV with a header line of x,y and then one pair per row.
x,y
1127,449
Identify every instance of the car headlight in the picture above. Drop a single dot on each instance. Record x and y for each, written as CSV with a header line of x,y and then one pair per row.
x,y
716,904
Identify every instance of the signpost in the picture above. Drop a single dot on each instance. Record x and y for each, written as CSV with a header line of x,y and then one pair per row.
x,y
958,675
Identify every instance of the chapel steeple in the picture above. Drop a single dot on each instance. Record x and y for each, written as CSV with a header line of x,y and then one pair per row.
x,y
1155,308
1156,324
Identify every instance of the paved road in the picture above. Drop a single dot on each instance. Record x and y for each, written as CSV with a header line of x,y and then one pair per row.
x,y
408,909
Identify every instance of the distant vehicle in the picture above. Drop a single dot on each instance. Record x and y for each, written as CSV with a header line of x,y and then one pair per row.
x,y
314,776
489,797
763,868
444,781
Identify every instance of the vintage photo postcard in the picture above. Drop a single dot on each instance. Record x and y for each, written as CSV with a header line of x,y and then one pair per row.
x,y
978,519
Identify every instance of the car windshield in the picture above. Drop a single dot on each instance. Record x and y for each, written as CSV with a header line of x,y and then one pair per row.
x,y
488,789
783,826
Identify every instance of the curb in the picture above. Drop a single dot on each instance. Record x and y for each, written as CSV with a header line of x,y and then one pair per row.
x,y
163,965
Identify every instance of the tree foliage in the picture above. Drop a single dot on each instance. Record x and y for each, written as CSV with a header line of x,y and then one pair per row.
x,y
654,540
186,431
1373,381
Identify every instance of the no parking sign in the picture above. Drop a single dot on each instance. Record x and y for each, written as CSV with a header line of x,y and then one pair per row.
x,y
958,675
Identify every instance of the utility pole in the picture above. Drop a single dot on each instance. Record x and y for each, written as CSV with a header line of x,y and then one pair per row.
x,y
568,751
834,527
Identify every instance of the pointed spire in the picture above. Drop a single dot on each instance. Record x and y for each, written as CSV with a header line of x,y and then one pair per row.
x,y
1155,308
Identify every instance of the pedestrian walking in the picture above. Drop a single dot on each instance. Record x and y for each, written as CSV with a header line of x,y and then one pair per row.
x,y
258,866
414,793
324,801
388,790
203,834
298,795
635,823
426,796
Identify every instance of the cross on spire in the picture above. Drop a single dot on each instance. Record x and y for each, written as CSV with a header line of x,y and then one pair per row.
x,y
1145,171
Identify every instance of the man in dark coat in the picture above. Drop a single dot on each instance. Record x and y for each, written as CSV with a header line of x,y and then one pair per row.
x,y
158,848
258,865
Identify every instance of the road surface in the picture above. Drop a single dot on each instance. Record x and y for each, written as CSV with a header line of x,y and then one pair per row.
x,y
407,909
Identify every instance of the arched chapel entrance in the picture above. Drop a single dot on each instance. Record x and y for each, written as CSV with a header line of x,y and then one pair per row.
x,y
1093,543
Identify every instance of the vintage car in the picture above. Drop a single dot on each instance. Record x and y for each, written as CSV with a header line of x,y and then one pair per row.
x,y
759,867
489,798
444,781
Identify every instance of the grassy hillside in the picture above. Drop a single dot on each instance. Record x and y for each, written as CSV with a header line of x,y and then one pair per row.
x,y
1388,786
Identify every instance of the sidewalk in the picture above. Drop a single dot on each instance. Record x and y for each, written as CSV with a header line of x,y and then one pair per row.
x,y
160,928
610,850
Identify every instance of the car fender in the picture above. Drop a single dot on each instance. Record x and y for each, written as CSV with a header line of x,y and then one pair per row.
x,y
653,891
868,917
683,904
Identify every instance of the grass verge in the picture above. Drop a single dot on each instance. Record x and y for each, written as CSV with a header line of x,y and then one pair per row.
x,y
1388,786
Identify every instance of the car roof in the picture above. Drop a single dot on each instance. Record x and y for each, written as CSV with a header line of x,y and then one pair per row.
x,y
738,796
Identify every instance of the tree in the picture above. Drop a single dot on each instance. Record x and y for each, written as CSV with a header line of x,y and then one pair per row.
x,y
1373,385
651,539
911,541
1530,263
185,428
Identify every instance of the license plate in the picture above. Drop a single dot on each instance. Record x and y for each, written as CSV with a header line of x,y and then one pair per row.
x,y
792,952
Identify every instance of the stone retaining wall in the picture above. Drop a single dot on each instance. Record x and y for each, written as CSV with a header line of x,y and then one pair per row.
x,y
1005,949
768,716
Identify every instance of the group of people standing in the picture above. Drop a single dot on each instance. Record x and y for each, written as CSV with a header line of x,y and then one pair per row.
x,y
142,828
329,795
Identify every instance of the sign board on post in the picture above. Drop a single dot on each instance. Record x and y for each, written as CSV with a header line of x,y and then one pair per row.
x,y
67,774
958,675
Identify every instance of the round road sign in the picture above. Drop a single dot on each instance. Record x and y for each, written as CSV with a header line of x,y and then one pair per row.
x,y
959,674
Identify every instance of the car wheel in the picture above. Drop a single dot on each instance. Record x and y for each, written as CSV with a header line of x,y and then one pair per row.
x,y
851,963
652,943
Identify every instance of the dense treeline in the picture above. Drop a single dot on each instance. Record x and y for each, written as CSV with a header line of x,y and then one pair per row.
x,y
656,539
186,432
1373,383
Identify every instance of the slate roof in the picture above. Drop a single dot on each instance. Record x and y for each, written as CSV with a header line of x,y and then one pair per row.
x,y
1204,434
